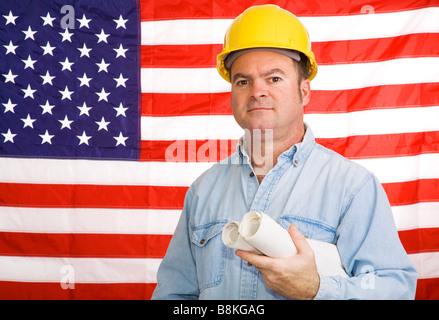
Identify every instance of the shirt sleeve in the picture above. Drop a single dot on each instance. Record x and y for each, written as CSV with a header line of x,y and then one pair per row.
x,y
177,276
370,249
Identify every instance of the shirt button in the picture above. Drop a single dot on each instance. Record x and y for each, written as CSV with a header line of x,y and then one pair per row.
x,y
296,162
202,241
252,174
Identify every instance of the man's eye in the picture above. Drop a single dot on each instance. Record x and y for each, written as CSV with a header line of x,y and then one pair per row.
x,y
241,82
275,79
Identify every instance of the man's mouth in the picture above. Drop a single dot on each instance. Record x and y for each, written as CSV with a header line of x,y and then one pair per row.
x,y
260,109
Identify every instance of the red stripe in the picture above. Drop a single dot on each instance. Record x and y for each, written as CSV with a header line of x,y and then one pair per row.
x,y
184,56
420,240
410,192
427,289
207,9
10,290
40,195
91,196
327,53
377,97
380,49
334,101
164,104
84,245
384,145
354,147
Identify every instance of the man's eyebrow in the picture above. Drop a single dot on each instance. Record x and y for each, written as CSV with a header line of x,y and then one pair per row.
x,y
273,71
266,74
240,75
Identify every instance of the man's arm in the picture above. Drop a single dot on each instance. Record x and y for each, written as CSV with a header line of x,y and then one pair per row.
x,y
177,276
370,250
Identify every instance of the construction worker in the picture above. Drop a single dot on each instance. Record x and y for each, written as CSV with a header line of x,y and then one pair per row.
x,y
310,190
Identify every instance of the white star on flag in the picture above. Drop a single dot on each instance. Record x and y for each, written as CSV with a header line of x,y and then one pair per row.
x,y
10,18
102,36
84,81
66,123
48,20
29,34
120,139
47,78
9,136
47,138
83,22
10,48
28,122
120,22
83,138
47,108
103,95
9,106
28,92
9,77
29,63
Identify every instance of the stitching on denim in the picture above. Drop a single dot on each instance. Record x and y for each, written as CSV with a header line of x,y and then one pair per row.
x,y
356,190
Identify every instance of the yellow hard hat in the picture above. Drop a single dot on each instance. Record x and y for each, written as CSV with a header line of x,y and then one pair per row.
x,y
266,26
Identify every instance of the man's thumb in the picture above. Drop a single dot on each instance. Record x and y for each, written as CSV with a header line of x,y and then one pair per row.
x,y
298,239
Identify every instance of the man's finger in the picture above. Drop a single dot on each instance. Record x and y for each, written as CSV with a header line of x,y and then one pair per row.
x,y
298,239
257,260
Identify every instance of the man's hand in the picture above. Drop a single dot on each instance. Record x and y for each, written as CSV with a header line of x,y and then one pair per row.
x,y
294,277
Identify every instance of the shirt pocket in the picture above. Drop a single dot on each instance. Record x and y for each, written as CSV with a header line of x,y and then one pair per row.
x,y
209,254
310,228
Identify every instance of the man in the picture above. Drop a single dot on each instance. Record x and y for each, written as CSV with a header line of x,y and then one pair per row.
x,y
307,188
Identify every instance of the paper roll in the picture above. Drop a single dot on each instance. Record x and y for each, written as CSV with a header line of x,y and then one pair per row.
x,y
263,233
327,258
259,233
232,239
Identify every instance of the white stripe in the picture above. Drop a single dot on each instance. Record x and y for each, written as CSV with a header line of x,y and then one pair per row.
x,y
401,169
338,125
60,171
365,26
101,221
418,215
427,264
182,80
181,32
390,72
211,31
78,270
388,170
330,77
372,122
190,127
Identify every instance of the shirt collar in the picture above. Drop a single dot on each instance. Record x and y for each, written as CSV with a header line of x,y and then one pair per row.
x,y
297,153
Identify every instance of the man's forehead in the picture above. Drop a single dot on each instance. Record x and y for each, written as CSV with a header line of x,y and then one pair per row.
x,y
262,63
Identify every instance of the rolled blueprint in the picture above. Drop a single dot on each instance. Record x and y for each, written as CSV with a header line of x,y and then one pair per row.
x,y
263,233
260,232
232,239
327,258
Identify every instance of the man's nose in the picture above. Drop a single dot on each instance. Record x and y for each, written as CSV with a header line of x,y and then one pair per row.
x,y
259,89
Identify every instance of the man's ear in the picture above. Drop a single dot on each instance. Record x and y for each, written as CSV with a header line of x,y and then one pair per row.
x,y
305,91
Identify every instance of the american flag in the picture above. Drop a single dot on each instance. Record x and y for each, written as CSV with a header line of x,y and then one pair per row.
x,y
109,109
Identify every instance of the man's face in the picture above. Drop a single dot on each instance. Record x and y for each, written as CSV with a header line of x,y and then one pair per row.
x,y
266,93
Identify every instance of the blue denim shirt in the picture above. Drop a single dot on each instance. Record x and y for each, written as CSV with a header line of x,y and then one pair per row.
x,y
328,198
